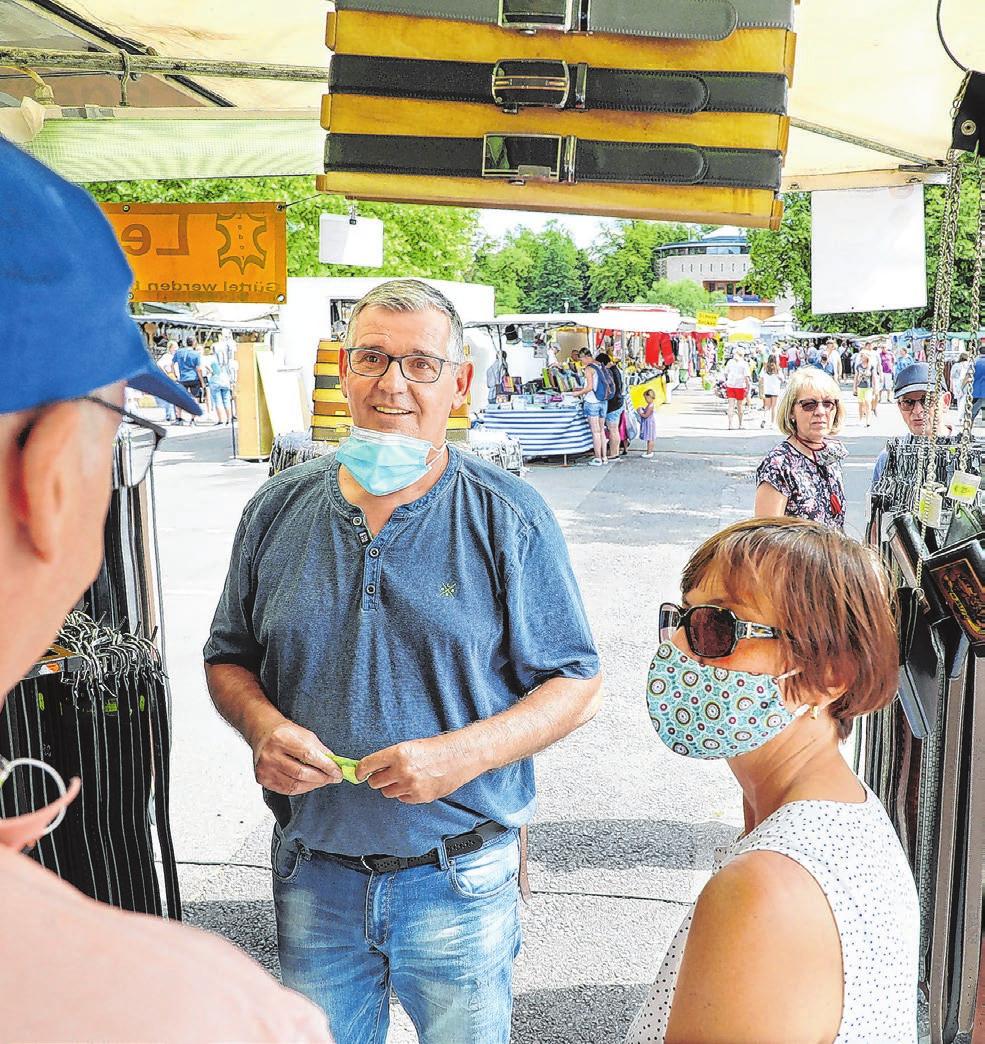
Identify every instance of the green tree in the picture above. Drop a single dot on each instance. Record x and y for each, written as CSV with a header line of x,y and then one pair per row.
x,y
687,296
623,266
436,242
781,261
554,283
506,267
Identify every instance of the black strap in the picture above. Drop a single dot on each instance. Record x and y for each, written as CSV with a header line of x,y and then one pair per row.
x,y
515,157
520,82
459,845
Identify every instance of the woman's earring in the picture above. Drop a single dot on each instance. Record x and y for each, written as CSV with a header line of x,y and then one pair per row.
x,y
815,710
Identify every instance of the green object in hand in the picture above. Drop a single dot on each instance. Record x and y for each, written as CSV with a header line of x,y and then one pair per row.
x,y
348,767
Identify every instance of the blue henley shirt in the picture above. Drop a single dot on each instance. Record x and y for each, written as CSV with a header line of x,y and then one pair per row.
x,y
463,603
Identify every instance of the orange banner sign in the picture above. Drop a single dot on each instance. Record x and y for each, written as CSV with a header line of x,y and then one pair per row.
x,y
204,251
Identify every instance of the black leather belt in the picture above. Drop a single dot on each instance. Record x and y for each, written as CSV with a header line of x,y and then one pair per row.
x,y
459,845
662,19
518,158
513,84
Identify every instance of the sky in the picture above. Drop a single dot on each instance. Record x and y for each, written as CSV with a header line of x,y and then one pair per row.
x,y
584,230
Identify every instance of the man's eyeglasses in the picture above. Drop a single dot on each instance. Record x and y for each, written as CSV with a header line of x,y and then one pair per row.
x,y
712,631
811,405
137,452
136,459
906,405
419,368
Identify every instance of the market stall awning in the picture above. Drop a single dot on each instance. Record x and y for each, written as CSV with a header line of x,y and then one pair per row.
x,y
870,102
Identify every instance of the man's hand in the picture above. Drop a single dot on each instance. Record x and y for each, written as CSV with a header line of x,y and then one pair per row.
x,y
419,771
289,759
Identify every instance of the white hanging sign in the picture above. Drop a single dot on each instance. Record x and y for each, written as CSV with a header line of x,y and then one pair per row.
x,y
344,240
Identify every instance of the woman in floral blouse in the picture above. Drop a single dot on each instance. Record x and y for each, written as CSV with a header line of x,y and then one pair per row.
x,y
802,476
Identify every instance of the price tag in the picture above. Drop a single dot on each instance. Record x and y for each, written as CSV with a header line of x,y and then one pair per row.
x,y
929,506
964,487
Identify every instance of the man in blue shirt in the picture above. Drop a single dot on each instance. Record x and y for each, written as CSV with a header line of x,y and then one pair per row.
x,y
412,609
188,365
978,388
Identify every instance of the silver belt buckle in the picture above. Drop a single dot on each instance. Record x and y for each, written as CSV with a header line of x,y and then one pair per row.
x,y
530,16
546,157
532,82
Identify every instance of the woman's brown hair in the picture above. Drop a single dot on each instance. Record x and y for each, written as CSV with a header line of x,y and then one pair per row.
x,y
829,597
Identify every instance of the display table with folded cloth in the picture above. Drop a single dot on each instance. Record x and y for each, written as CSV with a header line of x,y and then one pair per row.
x,y
555,431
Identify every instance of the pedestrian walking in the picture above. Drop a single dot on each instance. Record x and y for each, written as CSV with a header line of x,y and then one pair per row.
x,y
978,385
958,373
801,477
596,390
886,373
737,384
166,363
385,606
188,364
221,381
809,928
648,423
76,969
771,385
865,383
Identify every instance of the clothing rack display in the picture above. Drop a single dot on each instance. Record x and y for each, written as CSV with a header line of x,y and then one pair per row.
x,y
97,706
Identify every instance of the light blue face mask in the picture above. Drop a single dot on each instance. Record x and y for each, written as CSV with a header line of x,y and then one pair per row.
x,y
701,711
384,462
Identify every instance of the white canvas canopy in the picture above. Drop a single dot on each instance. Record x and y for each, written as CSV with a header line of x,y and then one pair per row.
x,y
872,89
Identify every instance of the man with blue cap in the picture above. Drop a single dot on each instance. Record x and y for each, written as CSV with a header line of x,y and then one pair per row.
x,y
910,394
75,969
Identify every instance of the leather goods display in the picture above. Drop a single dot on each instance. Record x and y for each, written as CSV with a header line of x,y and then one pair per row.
x,y
518,83
668,110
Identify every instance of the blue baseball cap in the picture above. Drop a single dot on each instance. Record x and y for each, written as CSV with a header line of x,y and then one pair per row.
x,y
65,329
914,377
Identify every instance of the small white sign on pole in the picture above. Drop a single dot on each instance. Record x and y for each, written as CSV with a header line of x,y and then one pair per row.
x,y
344,240
868,250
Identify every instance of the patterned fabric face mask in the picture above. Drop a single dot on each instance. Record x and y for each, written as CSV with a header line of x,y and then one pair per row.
x,y
701,711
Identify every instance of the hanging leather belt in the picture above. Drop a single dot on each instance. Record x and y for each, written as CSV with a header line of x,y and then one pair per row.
x,y
663,19
516,83
518,158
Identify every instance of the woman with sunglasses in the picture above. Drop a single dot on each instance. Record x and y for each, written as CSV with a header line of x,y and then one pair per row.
x,y
808,930
801,478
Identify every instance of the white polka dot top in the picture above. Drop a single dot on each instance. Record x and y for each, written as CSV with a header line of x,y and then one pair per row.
x,y
852,851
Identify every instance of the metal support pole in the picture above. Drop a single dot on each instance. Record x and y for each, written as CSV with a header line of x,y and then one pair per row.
x,y
155,64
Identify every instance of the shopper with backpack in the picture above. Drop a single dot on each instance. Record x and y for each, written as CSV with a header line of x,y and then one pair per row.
x,y
615,403
597,390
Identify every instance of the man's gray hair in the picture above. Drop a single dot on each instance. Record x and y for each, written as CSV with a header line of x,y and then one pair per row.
x,y
411,295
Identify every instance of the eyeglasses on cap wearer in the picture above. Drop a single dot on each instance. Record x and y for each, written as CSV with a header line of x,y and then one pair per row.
x,y
418,368
712,631
811,405
906,405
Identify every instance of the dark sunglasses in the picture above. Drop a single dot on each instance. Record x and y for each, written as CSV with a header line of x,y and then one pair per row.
x,y
810,405
712,631
906,405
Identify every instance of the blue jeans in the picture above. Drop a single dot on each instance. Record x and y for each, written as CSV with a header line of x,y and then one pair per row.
x,y
443,938
167,407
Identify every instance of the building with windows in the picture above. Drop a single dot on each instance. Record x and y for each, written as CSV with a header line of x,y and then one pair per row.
x,y
719,262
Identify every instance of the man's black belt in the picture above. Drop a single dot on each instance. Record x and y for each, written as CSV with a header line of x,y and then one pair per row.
x,y
518,158
459,845
661,19
512,84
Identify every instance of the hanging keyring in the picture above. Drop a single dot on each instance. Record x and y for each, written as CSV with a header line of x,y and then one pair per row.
x,y
6,767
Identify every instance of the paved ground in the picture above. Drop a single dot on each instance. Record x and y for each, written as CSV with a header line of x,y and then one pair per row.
x,y
625,830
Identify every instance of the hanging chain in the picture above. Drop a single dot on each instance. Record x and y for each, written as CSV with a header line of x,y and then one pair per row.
x,y
927,448
968,378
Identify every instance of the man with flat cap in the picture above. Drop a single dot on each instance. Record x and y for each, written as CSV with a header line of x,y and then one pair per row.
x,y
910,395
75,969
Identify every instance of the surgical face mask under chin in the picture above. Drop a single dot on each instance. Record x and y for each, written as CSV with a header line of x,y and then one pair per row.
x,y
7,767
701,711
385,462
